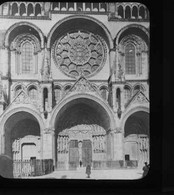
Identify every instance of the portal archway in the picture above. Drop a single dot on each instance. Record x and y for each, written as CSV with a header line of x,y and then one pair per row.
x,y
81,129
136,137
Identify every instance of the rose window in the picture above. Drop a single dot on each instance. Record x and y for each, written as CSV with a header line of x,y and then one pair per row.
x,y
80,53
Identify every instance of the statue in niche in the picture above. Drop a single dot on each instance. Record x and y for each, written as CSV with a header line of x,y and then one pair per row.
x,y
67,144
46,65
100,143
14,146
46,105
63,144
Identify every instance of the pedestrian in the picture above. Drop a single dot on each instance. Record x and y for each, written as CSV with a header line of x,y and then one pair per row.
x,y
145,169
88,170
80,163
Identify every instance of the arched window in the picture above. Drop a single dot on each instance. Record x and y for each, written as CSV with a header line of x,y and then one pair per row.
x,y
142,12
37,10
127,93
102,7
33,93
137,88
120,11
22,9
127,12
79,7
63,6
134,12
88,6
18,90
27,55
14,9
130,59
30,10
70,6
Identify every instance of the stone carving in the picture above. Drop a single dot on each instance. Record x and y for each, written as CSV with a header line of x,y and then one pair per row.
x,y
141,98
45,72
48,131
120,72
82,85
80,53
22,98
99,143
144,148
62,144
138,98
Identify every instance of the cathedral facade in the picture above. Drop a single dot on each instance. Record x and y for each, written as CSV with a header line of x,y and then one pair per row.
x,y
74,84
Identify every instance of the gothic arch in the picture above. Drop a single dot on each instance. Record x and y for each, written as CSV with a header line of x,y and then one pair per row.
x,y
10,112
130,112
16,25
85,96
142,28
88,18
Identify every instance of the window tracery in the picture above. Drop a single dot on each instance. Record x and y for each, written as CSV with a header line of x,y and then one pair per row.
x,y
26,47
131,51
79,53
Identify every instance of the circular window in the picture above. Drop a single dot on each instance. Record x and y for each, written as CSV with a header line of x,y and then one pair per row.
x,y
80,53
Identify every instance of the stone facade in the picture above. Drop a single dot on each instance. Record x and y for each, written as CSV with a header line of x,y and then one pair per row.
x,y
74,82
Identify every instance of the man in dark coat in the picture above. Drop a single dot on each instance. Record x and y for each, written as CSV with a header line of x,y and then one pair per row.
x,y
145,169
88,170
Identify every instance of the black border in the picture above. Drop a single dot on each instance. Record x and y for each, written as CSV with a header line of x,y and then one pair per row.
x,y
152,184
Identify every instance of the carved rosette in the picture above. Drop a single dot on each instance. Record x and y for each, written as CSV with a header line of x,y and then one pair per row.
x,y
141,98
80,53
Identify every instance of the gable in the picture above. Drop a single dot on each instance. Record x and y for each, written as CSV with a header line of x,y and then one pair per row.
x,y
139,98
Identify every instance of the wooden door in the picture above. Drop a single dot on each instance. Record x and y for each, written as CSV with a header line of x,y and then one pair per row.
x,y
86,152
73,154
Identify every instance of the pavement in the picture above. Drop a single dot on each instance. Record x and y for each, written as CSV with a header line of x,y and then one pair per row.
x,y
116,174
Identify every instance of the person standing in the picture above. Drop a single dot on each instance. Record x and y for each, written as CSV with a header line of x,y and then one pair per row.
x,y
88,170
145,169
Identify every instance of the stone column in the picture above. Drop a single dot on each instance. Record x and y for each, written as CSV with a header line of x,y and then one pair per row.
x,y
109,145
118,144
48,144
5,62
112,61
114,98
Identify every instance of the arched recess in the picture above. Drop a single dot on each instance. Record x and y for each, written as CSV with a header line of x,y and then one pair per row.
x,y
17,124
75,22
81,112
136,29
95,100
137,135
23,27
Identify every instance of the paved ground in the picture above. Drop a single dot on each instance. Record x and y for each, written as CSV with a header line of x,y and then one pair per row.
x,y
95,174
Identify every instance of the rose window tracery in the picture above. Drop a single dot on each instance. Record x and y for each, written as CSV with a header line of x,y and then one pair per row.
x,y
80,53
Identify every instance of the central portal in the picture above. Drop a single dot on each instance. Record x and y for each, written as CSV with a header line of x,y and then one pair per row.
x,y
80,134
80,153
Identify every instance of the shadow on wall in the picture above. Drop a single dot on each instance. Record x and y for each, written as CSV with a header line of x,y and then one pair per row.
x,y
6,166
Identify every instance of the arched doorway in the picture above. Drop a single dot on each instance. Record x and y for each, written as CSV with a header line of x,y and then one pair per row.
x,y
22,142
136,138
81,133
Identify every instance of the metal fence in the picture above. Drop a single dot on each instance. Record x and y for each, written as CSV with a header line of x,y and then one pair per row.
x,y
28,168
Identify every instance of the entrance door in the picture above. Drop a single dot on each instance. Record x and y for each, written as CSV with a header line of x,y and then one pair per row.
x,y
86,152
73,154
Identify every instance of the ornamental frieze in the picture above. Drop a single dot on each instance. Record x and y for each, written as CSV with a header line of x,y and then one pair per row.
x,y
80,53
